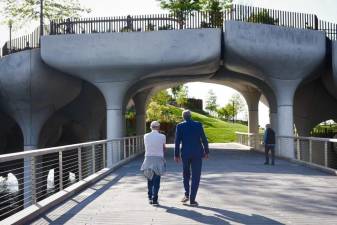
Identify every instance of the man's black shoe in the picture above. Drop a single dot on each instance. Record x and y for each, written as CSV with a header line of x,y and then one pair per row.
x,y
266,163
194,203
155,202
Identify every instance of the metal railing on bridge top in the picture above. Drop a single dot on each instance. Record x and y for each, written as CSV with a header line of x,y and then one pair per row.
x,y
27,178
174,21
313,150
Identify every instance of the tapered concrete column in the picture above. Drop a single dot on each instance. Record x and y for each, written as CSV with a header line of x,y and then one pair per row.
x,y
141,100
273,120
114,93
252,98
253,121
140,124
115,123
285,92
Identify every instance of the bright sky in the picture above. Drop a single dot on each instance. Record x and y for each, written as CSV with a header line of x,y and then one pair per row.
x,y
324,9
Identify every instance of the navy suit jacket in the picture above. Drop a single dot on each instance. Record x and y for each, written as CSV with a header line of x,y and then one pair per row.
x,y
192,136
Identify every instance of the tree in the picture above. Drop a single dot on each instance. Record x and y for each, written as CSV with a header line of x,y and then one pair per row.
x,y
161,98
177,6
182,96
262,17
214,9
27,11
224,113
180,8
236,105
176,89
163,113
211,105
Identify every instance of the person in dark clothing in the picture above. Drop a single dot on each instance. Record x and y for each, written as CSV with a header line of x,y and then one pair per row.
x,y
194,147
269,144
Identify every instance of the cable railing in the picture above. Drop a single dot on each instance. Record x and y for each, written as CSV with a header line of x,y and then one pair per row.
x,y
27,178
317,151
173,21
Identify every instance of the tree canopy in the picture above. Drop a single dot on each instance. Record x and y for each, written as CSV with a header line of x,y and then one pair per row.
x,y
211,102
23,12
176,6
214,8
262,17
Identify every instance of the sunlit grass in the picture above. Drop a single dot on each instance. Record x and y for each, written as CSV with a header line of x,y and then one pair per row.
x,y
217,131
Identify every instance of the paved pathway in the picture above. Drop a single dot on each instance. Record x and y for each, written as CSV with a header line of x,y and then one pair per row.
x,y
235,189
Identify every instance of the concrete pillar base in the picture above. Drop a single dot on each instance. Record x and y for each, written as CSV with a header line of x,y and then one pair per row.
x,y
115,129
285,128
140,124
27,178
253,121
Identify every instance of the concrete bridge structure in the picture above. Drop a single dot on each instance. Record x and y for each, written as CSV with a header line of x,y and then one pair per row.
x,y
75,87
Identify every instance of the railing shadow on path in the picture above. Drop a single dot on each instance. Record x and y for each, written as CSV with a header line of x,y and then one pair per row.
x,y
220,217
98,189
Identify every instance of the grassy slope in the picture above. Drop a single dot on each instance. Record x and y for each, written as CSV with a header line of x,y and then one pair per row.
x,y
217,131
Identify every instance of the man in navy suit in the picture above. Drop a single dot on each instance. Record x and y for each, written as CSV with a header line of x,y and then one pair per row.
x,y
194,147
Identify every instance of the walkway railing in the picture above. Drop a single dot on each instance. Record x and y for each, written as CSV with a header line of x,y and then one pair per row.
x,y
27,178
173,21
318,151
24,42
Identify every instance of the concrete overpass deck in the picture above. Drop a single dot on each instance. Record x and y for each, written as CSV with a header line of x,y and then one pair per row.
x,y
236,188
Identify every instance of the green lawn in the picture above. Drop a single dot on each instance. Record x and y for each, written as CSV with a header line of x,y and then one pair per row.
x,y
217,131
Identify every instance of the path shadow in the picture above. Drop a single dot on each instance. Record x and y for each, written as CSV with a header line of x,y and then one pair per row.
x,y
220,216
79,205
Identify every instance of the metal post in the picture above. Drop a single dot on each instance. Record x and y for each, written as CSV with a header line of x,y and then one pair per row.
x,y
124,148
129,146
326,154
119,149
10,24
310,150
137,144
79,153
61,170
104,155
41,17
298,149
93,159
33,179
279,146
316,23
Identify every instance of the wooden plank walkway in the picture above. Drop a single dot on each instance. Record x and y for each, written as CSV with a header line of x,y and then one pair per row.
x,y
236,188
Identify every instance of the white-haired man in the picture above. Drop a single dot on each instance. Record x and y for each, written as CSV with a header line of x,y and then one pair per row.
x,y
154,163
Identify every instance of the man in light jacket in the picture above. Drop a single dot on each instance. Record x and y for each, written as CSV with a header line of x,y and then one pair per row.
x,y
194,147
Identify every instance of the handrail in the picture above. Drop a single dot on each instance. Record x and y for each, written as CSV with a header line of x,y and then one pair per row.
x,y
43,151
43,172
334,140
313,151
245,133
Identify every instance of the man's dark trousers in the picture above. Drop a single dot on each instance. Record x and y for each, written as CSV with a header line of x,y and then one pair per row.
x,y
191,165
267,148
153,187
